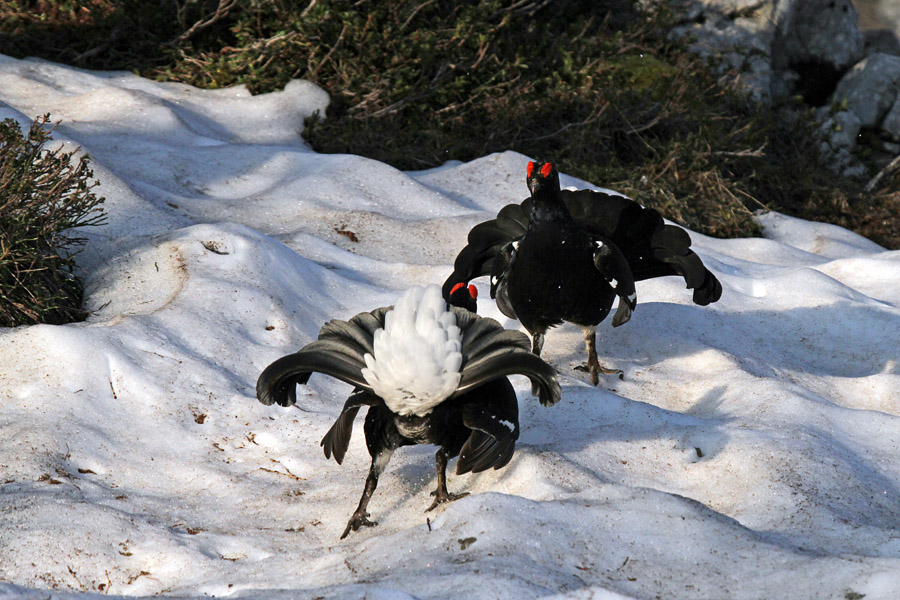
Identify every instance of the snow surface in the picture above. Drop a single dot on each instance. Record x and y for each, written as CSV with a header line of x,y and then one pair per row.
x,y
751,450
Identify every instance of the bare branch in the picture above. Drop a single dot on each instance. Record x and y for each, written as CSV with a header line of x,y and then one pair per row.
x,y
221,12
330,52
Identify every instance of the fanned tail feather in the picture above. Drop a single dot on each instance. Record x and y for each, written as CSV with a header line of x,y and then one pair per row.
x,y
652,248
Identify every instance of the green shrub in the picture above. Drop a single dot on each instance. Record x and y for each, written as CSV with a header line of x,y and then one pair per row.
x,y
44,194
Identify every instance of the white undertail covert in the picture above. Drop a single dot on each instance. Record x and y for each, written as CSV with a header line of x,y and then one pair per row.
x,y
418,355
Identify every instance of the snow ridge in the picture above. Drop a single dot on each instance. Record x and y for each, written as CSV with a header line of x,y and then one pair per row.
x,y
418,355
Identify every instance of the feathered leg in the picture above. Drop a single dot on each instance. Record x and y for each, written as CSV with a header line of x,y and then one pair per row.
x,y
537,344
441,494
360,517
593,365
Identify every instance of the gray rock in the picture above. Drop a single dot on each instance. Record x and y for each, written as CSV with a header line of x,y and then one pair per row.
x,y
816,32
881,41
870,89
891,123
839,133
736,32
841,130
857,171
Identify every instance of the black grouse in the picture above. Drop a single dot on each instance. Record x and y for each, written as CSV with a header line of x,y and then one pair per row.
x,y
463,296
429,374
564,255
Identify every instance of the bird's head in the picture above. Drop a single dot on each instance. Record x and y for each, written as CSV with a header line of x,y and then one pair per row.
x,y
464,297
542,177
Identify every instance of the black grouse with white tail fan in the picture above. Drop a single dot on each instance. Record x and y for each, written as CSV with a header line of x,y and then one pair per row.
x,y
429,374
565,255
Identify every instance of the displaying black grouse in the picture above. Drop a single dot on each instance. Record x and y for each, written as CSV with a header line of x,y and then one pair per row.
x,y
429,374
463,296
564,255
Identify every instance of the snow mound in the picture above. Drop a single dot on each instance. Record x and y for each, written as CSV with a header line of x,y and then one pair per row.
x,y
749,452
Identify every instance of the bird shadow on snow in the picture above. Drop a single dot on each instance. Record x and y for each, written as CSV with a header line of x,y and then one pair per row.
x,y
584,418
837,340
589,416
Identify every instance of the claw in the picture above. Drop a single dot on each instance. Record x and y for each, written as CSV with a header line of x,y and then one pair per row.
x,y
441,498
596,369
356,521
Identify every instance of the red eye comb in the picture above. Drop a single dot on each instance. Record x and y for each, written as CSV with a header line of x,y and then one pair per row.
x,y
530,168
473,291
456,287
546,169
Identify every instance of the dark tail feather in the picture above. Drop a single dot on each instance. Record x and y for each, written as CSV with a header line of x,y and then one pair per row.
x,y
337,440
512,361
709,291
672,247
278,382
482,451
653,248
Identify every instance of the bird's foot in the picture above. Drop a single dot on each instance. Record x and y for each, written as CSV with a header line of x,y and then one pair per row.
x,y
596,369
358,520
443,496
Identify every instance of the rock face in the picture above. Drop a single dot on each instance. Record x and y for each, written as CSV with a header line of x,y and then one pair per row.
x,y
739,32
814,49
816,31
870,89
839,133
816,41
891,123
778,47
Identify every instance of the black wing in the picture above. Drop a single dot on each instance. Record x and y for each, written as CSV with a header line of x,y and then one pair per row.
x,y
490,352
612,264
485,240
338,352
494,421
337,440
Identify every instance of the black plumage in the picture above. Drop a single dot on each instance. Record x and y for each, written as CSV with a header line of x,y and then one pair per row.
x,y
463,296
478,421
539,253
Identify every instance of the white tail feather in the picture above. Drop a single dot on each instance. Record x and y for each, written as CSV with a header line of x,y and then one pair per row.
x,y
417,355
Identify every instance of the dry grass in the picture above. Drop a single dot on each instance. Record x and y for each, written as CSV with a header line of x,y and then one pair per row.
x,y
595,86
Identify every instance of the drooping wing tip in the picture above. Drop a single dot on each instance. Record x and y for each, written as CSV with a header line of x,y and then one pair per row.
x,y
278,382
274,386
623,313
709,292
549,392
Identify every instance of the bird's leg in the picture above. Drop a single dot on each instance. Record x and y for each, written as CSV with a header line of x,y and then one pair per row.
x,y
441,494
593,365
537,344
360,517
